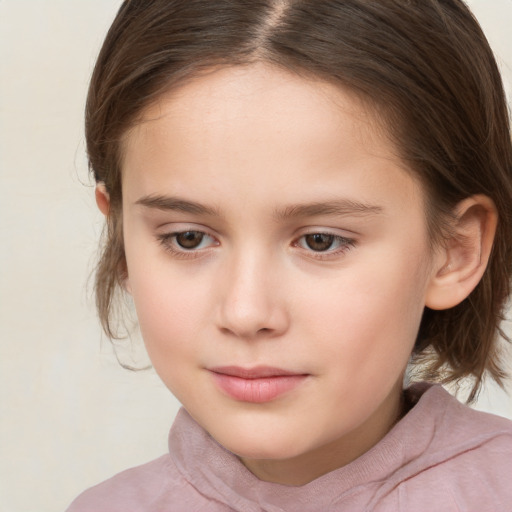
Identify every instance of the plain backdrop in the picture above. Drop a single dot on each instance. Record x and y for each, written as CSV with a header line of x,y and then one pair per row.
x,y
70,416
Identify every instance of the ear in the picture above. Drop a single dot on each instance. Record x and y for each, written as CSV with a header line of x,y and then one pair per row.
x,y
103,202
102,198
460,263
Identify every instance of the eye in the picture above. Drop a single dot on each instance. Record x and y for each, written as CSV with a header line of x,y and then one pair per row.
x,y
186,241
324,243
319,241
190,239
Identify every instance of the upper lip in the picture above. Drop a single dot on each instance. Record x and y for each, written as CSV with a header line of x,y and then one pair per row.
x,y
257,372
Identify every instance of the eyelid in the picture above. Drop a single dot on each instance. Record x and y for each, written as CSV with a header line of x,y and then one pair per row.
x,y
322,230
173,228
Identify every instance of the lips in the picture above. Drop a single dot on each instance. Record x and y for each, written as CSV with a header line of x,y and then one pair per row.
x,y
256,385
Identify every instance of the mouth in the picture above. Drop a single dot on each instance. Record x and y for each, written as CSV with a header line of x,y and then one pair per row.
x,y
256,385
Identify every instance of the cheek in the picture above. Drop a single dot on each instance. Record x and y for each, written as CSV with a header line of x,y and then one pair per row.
x,y
169,321
162,307
170,308
369,315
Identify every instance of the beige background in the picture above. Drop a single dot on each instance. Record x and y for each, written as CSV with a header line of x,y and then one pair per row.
x,y
70,416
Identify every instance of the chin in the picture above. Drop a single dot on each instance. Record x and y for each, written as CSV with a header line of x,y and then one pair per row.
x,y
260,447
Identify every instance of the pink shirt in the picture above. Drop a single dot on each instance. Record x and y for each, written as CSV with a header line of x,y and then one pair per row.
x,y
442,456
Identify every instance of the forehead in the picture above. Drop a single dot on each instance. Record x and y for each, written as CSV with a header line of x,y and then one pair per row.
x,y
218,98
251,128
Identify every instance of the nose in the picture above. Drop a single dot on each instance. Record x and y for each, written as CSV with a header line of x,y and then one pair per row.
x,y
252,304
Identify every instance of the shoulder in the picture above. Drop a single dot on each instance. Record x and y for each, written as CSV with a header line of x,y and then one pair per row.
x,y
132,490
183,480
479,442
462,430
453,423
465,462
474,475
475,461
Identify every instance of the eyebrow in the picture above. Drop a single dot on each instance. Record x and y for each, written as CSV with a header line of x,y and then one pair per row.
x,y
167,203
340,207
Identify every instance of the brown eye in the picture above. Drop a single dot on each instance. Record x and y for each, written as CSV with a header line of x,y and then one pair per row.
x,y
189,239
319,241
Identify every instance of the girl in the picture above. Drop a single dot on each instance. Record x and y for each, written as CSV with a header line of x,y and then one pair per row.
x,y
301,195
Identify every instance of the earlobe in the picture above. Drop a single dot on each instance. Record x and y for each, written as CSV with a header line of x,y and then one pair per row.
x,y
461,262
102,198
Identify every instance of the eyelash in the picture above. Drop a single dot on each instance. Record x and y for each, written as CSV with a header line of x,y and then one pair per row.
x,y
170,244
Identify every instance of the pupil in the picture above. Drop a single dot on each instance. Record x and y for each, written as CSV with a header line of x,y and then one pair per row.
x,y
319,241
189,239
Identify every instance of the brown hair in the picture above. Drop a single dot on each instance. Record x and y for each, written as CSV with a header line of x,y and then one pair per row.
x,y
425,64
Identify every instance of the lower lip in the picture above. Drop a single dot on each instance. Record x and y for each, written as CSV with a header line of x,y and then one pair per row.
x,y
257,391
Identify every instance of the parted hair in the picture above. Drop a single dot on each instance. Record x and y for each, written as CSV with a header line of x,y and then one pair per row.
x,y
424,66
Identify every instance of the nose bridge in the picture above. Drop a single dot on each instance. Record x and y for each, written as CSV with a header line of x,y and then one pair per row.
x,y
250,305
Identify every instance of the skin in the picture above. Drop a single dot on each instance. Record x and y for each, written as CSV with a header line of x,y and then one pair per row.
x,y
246,156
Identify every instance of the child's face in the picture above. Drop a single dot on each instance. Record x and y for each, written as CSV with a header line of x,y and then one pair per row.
x,y
269,229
